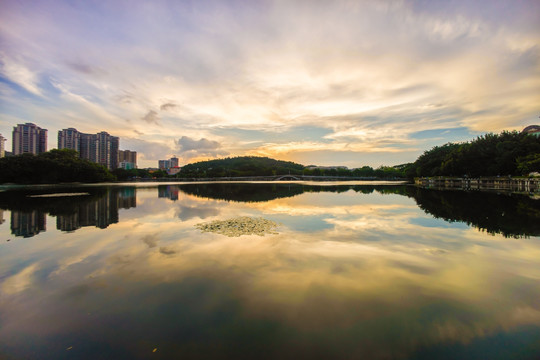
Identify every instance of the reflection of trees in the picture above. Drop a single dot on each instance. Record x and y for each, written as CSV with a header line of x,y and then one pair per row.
x,y
244,192
249,192
99,208
509,215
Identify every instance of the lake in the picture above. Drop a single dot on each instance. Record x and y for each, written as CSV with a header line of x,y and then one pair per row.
x,y
268,271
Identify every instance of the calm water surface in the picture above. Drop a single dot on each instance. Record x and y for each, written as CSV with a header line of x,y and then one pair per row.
x,y
354,272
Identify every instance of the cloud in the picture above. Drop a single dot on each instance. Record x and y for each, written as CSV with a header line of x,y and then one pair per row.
x,y
168,106
20,281
19,74
151,240
190,148
84,68
384,69
151,117
201,211
166,250
147,150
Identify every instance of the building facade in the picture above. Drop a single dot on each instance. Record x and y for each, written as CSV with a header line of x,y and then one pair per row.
x,y
532,130
127,159
101,148
69,139
173,162
167,164
89,147
107,150
163,164
2,146
29,138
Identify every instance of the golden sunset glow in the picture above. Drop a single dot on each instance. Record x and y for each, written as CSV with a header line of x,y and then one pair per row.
x,y
360,83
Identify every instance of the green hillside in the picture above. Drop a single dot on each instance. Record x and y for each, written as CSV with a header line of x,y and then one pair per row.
x,y
240,166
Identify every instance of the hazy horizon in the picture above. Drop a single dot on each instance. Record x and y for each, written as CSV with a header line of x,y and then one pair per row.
x,y
349,83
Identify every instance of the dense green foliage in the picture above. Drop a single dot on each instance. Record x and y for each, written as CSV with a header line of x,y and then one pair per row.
x,y
131,174
55,166
263,166
240,166
507,153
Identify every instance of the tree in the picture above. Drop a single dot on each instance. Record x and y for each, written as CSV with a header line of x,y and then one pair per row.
x,y
51,167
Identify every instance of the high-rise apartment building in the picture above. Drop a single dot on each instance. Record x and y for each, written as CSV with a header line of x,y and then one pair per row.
x,y
2,146
107,152
127,159
89,146
173,162
100,148
29,138
168,164
163,164
69,139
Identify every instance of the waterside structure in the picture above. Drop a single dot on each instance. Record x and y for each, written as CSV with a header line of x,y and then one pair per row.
x,y
498,183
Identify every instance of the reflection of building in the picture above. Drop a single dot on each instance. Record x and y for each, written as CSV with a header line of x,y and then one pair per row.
x,y
68,222
99,212
169,192
27,223
29,138
127,198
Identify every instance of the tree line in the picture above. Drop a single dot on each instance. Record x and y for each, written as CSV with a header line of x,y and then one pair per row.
x,y
51,167
507,153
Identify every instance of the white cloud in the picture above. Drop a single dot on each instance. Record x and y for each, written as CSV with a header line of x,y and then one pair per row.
x,y
20,74
191,148
369,71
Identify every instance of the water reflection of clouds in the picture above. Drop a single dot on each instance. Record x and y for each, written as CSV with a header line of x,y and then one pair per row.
x,y
370,271
189,208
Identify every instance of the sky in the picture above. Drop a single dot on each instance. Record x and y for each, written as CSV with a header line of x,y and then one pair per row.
x,y
348,83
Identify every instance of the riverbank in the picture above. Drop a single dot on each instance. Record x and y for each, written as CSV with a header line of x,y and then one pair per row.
x,y
498,183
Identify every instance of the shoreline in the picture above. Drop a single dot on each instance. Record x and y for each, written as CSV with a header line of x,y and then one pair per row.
x,y
519,185
144,182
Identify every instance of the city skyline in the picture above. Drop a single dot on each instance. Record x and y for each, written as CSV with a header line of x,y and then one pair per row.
x,y
325,83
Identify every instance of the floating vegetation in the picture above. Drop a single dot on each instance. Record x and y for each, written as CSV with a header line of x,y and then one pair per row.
x,y
59,195
239,226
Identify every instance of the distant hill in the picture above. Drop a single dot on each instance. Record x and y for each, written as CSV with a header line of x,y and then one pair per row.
x,y
241,166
